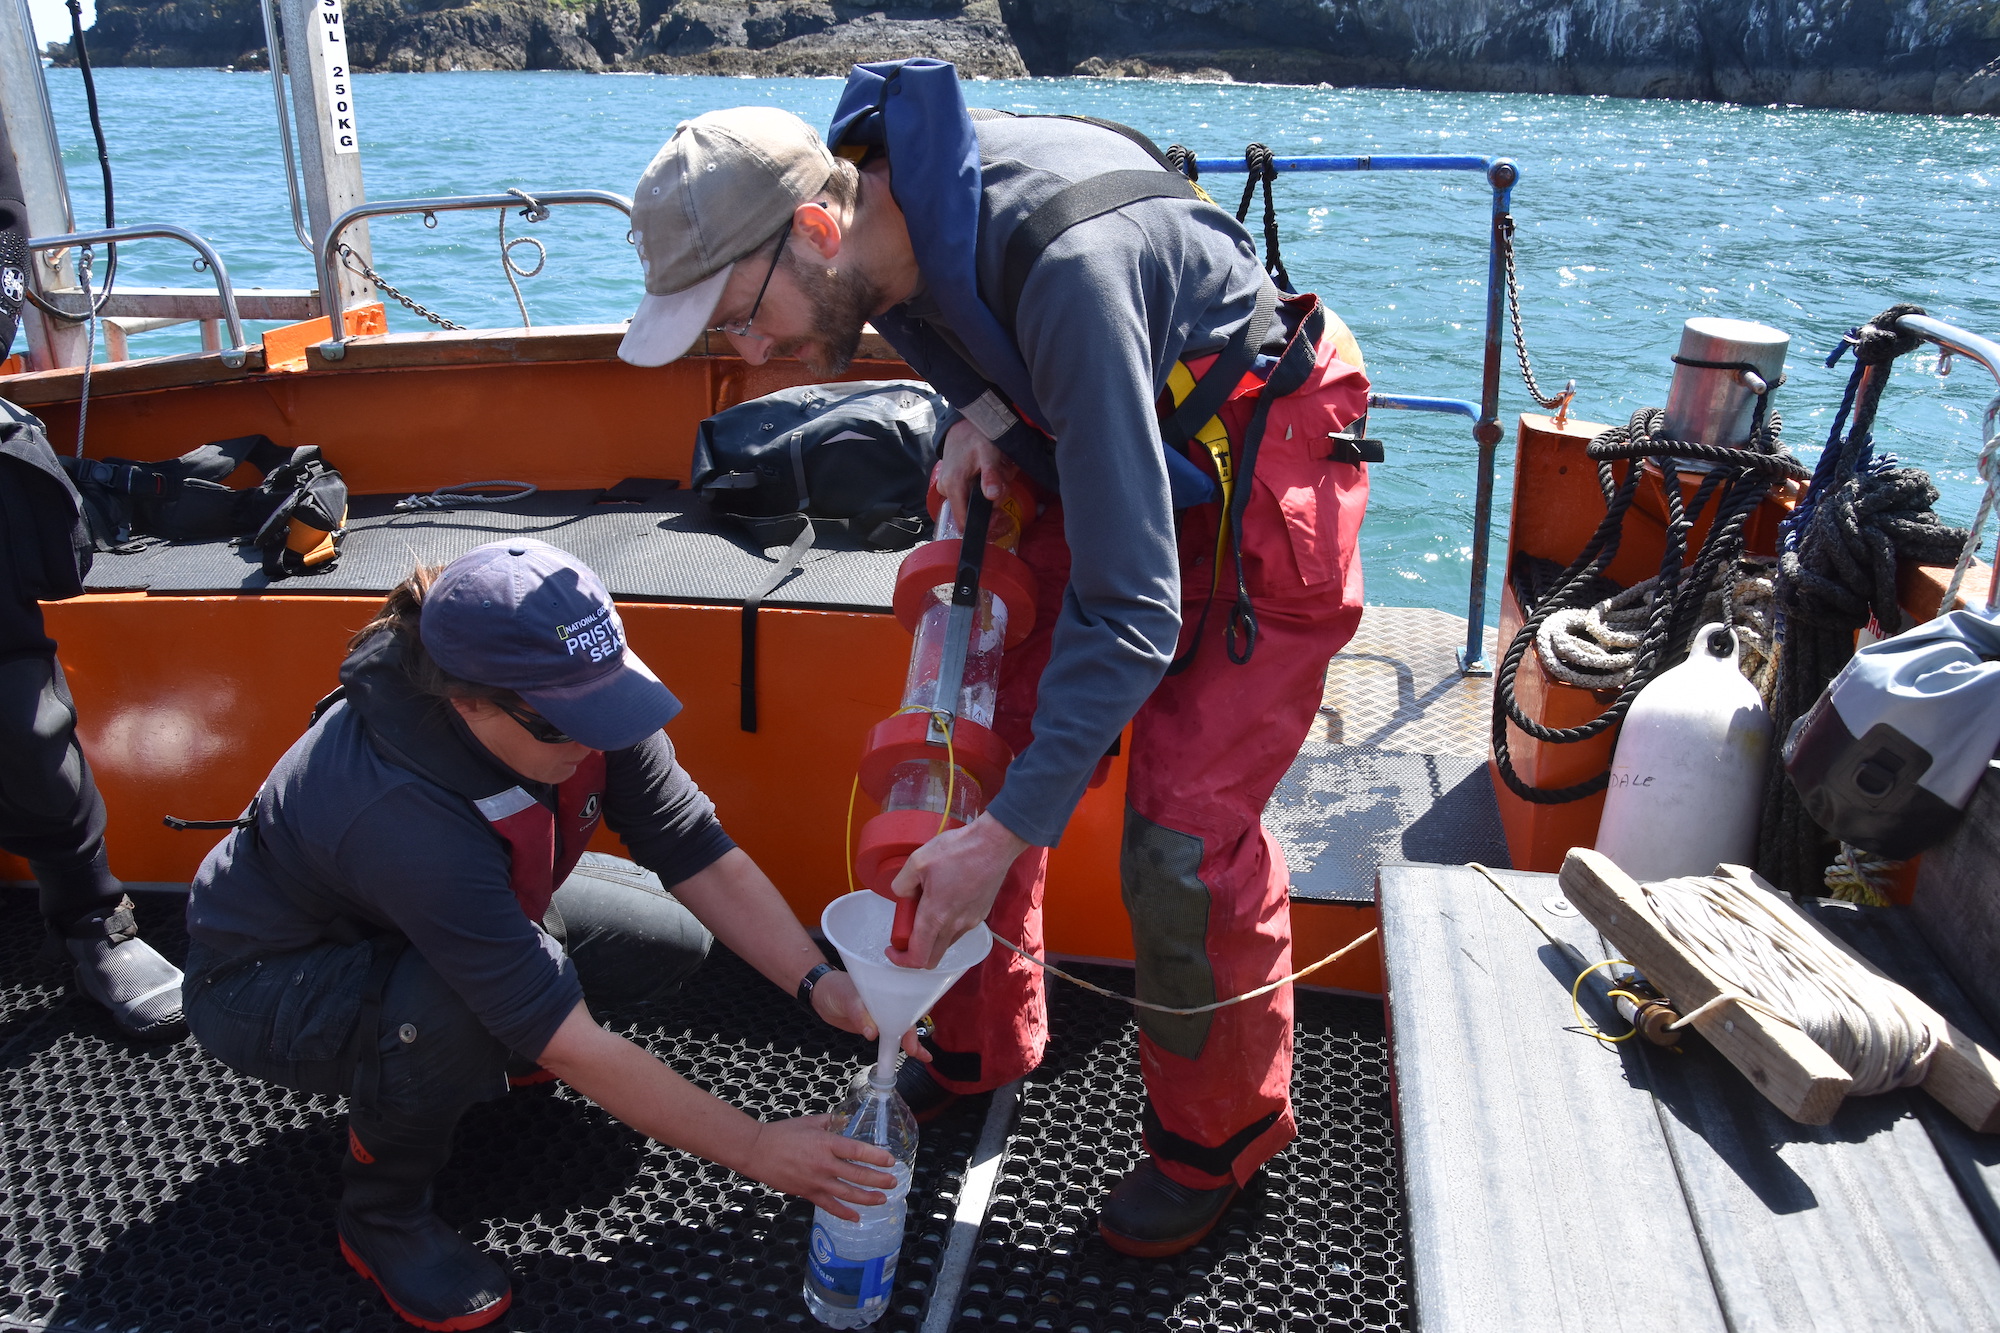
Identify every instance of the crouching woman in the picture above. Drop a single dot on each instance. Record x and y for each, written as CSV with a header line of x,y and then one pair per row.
x,y
404,919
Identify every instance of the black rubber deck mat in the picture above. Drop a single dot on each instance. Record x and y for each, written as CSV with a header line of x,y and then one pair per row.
x,y
1316,1243
667,547
147,1187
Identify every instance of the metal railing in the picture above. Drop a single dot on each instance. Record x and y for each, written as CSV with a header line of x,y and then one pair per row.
x,y
1502,175
326,259
234,355
1957,342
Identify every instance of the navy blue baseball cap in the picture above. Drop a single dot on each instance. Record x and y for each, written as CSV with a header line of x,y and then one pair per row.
x,y
521,615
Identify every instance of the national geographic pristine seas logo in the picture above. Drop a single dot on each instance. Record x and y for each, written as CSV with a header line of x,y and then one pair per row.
x,y
597,635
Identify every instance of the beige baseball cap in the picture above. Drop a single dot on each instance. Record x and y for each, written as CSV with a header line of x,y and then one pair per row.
x,y
723,186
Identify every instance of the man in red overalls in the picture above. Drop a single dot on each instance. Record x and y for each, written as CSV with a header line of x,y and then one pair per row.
x,y
748,225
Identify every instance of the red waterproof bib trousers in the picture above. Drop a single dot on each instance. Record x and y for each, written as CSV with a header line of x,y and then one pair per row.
x,y
1206,886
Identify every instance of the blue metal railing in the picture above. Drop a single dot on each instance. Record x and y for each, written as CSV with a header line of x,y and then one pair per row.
x,y
1502,176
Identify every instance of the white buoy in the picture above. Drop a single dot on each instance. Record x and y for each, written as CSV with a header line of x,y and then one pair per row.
x,y
1687,778
858,925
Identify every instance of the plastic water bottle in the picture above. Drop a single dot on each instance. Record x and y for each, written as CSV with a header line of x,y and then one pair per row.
x,y
851,1266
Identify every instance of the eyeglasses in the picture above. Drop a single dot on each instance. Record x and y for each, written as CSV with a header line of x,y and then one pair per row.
x,y
534,724
741,328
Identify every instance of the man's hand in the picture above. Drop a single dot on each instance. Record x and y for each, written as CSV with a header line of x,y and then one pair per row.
x,y
959,872
805,1157
835,999
966,454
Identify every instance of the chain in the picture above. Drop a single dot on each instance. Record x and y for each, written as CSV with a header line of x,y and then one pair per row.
x,y
1559,402
355,264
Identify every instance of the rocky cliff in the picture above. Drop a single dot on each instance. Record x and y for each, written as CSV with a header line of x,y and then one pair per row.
x,y
1892,55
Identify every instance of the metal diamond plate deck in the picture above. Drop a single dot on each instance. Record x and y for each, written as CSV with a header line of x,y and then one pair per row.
x,y
1396,686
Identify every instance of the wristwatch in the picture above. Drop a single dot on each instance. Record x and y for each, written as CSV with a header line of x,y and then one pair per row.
x,y
811,980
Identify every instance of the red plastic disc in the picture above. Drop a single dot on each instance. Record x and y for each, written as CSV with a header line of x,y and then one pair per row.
x,y
935,565
887,841
900,739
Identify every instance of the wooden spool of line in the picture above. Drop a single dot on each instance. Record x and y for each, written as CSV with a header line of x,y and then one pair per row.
x,y
1778,1058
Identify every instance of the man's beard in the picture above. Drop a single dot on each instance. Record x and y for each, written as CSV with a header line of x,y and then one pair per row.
x,y
841,302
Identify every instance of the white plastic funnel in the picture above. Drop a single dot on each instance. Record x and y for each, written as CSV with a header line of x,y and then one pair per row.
x,y
858,924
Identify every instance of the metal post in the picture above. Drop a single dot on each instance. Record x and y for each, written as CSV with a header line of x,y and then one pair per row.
x,y
31,132
315,55
1472,658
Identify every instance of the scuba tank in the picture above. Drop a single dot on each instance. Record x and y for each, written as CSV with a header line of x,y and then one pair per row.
x,y
1890,755
1687,778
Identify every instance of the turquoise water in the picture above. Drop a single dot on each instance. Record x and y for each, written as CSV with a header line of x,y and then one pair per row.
x,y
1633,217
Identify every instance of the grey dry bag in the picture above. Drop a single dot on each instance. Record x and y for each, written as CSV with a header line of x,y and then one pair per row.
x,y
1893,750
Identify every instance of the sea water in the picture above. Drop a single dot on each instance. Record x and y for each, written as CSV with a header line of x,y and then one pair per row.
x,y
1633,217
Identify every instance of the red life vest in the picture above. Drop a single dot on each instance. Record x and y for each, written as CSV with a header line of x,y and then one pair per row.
x,y
543,848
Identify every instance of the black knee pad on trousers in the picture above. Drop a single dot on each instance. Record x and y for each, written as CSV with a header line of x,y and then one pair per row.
x,y
1158,872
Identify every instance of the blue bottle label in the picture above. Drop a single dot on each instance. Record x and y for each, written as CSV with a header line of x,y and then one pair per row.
x,y
848,1284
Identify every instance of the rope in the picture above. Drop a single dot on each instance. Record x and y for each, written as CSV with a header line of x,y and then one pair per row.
x,y
81,51
1737,482
450,497
1838,559
1861,877
1989,472
1263,170
535,211
1596,648
90,348
1755,943
1558,403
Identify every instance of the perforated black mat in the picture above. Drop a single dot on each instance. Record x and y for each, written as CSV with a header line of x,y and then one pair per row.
x,y
149,1188
1316,1243
665,547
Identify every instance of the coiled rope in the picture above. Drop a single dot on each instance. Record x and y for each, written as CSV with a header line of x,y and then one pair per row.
x,y
1596,648
1737,482
1838,558
1756,944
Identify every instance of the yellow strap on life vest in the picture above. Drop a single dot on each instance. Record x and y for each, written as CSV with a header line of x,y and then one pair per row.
x,y
1212,437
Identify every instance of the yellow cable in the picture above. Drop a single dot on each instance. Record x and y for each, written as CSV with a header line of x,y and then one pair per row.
x,y
847,834
1584,1022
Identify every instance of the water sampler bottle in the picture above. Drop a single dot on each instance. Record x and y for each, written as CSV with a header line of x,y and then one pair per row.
x,y
966,597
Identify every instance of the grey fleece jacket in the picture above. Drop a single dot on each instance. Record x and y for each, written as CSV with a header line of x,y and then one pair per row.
x,y
1112,304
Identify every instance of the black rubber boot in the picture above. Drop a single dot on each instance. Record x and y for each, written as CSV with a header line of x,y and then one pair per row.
x,y
429,1274
927,1098
124,973
1148,1214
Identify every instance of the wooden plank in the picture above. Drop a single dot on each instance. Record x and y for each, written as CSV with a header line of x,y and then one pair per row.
x,y
1787,1066
154,372
572,342
1848,1226
1538,1186
1963,1076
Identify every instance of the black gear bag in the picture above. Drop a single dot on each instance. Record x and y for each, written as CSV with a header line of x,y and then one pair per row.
x,y
860,452
295,517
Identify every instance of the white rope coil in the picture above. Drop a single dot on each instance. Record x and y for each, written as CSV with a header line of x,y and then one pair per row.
x,y
1596,648
1756,943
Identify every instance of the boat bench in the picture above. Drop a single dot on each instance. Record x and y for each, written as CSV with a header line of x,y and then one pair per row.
x,y
1554,1182
646,539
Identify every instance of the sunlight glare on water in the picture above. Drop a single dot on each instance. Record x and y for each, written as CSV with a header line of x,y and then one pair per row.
x,y
1633,217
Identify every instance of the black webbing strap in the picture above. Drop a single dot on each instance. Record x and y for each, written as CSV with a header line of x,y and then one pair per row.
x,y
367,1037
1212,390
788,564
1294,368
1086,199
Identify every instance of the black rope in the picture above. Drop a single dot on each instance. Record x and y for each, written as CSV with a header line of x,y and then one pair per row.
x,y
1837,566
1262,170
82,55
1736,484
1181,159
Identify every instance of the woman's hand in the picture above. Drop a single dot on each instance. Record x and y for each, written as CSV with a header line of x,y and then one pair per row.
x,y
835,999
967,454
805,1157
